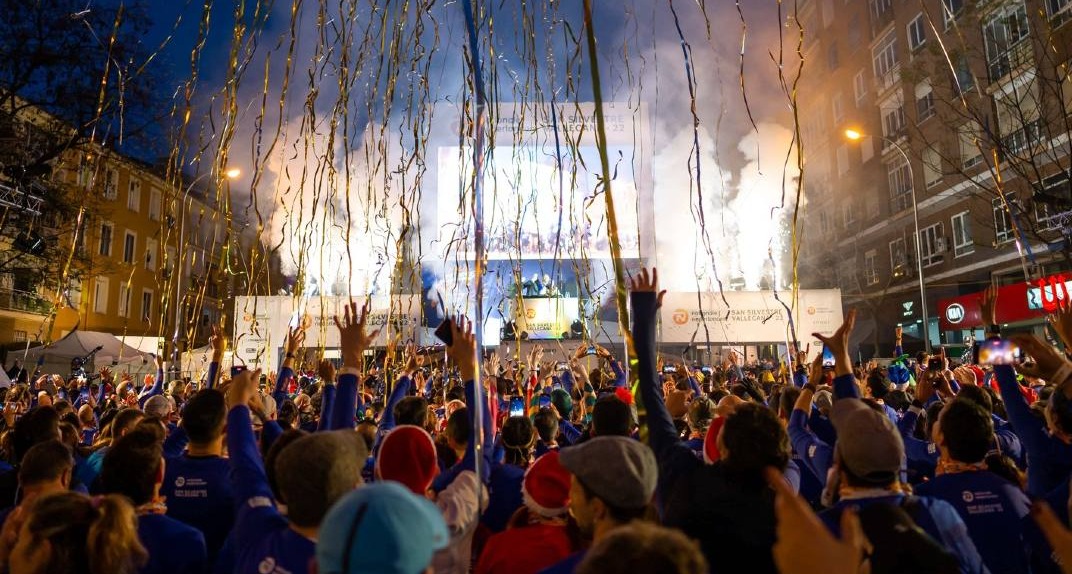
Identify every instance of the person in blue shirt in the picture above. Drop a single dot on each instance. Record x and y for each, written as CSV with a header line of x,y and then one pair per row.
x,y
197,484
995,510
134,467
311,473
88,470
868,458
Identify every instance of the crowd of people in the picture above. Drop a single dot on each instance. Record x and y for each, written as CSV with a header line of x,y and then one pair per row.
x,y
498,466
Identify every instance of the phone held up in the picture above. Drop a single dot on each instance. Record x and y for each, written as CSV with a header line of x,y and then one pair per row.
x,y
997,351
828,358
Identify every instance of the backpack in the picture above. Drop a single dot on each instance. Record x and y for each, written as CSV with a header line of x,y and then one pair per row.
x,y
898,544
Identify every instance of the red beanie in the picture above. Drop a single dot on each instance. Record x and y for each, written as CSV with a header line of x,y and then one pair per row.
x,y
408,455
710,441
546,486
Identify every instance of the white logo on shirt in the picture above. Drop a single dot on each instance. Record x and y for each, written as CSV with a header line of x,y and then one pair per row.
x,y
179,482
967,496
266,565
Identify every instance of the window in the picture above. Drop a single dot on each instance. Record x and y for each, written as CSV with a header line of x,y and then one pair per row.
x,y
848,214
1047,217
847,279
854,30
870,273
1018,116
1004,33
842,159
932,244
884,61
828,13
859,87
932,167
839,108
154,205
134,195
898,256
900,178
105,247
893,118
1003,228
963,79
950,10
881,9
147,305
1060,11
832,61
111,183
970,154
1056,189
18,336
151,248
962,234
924,101
124,300
100,295
129,241
917,35
867,149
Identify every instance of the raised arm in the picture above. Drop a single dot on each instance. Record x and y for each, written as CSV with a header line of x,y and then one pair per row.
x,y
158,384
838,343
248,478
353,341
295,339
219,347
646,299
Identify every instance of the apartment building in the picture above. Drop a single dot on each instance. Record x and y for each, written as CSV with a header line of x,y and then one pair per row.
x,y
960,114
142,243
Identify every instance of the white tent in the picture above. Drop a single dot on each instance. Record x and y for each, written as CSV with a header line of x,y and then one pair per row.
x,y
196,360
77,344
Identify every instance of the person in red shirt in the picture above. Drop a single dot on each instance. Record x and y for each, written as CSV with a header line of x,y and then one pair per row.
x,y
539,534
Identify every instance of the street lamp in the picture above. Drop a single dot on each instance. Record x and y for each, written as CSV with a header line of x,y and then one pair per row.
x,y
230,174
855,135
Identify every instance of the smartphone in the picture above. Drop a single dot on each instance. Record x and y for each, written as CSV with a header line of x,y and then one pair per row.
x,y
444,334
562,366
591,350
705,370
237,369
517,406
828,358
997,351
669,370
545,402
935,364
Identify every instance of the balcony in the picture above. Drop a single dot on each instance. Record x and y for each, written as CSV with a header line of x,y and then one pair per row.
x,y
24,301
1022,140
1018,56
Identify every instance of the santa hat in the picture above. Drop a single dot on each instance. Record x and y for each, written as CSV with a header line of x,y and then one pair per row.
x,y
546,486
710,441
408,455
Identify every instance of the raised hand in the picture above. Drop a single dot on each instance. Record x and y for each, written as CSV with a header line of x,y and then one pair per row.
x,y
838,343
242,388
804,545
647,283
218,343
353,339
295,339
1061,320
326,370
106,375
1049,362
463,349
414,361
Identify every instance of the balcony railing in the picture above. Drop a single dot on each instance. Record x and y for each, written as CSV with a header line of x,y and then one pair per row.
x,y
1016,56
15,300
1023,139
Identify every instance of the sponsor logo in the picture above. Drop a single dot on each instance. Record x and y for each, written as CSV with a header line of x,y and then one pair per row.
x,y
266,566
180,482
967,496
811,310
530,313
681,316
954,313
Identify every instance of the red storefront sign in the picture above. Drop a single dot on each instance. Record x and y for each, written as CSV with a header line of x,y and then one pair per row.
x,y
1016,302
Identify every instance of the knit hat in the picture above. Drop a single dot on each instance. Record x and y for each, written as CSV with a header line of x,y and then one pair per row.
x,y
868,443
408,455
546,486
562,401
380,528
710,441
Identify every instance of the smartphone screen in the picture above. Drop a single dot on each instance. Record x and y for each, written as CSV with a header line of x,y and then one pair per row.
x,y
997,352
591,350
443,333
545,401
935,364
828,358
517,406
237,369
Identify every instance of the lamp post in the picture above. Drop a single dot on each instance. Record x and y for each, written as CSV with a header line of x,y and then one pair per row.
x,y
231,174
855,135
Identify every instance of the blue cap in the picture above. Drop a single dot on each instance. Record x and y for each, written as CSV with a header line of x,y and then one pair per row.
x,y
381,527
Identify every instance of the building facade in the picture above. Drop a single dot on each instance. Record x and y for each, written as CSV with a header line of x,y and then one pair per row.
x,y
960,115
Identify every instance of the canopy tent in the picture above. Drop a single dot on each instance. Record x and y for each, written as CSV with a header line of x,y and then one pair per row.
x,y
77,344
197,360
